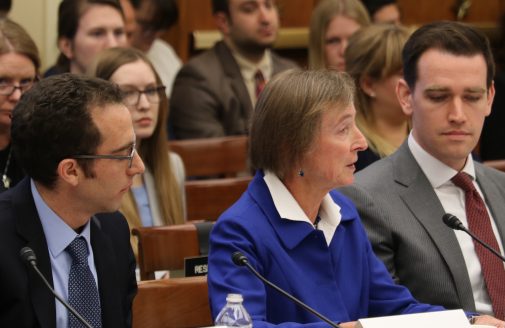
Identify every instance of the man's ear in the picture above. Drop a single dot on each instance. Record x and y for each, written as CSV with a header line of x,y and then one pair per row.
x,y
222,22
69,171
404,95
65,46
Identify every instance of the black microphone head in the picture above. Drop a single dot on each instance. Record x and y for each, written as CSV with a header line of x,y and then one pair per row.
x,y
452,221
238,258
28,255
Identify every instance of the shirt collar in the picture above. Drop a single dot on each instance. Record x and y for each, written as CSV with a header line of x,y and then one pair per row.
x,y
289,208
58,234
249,69
437,172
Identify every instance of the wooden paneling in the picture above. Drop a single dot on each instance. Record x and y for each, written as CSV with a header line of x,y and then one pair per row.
x,y
197,15
419,12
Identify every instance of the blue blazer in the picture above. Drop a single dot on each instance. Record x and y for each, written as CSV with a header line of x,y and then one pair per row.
x,y
24,300
344,281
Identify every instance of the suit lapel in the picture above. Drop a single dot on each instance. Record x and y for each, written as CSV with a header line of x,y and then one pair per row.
x,y
232,71
30,229
426,208
105,265
493,197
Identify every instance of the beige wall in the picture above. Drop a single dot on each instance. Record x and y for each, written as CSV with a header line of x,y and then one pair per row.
x,y
39,18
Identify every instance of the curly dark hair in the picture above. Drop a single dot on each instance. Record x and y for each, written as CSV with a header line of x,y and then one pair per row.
x,y
53,121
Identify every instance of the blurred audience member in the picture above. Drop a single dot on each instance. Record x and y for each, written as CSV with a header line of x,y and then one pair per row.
x,y
19,67
156,197
152,18
331,25
215,92
374,60
383,11
85,27
129,19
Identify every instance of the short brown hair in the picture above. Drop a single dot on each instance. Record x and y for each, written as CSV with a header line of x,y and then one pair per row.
x,y
451,37
288,115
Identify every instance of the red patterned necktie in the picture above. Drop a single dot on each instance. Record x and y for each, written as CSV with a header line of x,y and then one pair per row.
x,y
260,82
479,223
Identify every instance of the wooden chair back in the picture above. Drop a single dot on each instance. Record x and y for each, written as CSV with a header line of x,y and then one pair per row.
x,y
165,247
213,157
176,302
207,199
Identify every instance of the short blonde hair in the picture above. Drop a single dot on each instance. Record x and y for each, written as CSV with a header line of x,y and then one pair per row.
x,y
288,116
321,17
374,52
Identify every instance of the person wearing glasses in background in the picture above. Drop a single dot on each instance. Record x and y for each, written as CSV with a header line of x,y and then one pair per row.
x,y
157,196
75,140
19,66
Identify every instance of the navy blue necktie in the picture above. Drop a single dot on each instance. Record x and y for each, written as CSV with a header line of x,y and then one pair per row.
x,y
82,290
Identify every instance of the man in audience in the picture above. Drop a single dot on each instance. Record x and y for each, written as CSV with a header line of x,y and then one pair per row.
x,y
447,91
75,140
214,94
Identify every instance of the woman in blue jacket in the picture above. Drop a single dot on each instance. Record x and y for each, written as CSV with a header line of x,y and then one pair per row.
x,y
290,223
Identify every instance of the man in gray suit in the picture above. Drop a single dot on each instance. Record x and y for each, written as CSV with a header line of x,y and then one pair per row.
x,y
214,93
447,91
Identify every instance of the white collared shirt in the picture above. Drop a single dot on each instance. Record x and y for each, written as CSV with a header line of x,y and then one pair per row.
x,y
452,199
289,209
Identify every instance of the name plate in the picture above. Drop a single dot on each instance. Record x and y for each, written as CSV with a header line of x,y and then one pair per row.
x,y
442,319
195,266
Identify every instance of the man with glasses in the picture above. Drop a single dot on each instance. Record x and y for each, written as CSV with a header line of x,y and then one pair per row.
x,y
74,138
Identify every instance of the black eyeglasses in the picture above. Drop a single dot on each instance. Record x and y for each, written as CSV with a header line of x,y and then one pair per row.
x,y
131,97
129,158
8,88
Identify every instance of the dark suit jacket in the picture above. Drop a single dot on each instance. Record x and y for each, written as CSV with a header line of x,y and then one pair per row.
x,y
24,300
403,218
209,97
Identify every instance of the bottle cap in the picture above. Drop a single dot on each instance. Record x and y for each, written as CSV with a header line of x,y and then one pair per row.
x,y
234,298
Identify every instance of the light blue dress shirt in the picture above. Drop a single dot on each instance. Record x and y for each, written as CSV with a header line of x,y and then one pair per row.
x,y
142,200
58,236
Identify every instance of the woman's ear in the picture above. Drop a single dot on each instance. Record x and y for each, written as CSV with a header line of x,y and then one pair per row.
x,y
366,84
65,46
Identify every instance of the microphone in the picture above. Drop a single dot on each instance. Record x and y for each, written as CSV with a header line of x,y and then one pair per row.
x,y
454,223
28,256
241,260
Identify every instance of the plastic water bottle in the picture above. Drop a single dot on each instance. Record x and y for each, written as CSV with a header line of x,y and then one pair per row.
x,y
233,313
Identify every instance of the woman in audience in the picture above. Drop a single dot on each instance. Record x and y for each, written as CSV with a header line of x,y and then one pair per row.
x,y
19,66
374,60
157,196
85,27
291,224
331,25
